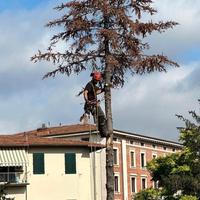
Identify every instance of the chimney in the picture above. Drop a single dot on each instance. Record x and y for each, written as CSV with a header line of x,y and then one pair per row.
x,y
43,127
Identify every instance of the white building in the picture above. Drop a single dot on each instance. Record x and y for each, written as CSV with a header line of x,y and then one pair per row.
x,y
36,168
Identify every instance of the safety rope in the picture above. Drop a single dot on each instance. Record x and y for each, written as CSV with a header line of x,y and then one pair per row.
x,y
96,110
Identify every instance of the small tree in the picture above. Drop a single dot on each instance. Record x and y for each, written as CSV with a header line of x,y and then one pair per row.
x,y
180,172
105,35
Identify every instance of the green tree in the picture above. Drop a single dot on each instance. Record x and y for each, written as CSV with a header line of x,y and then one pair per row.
x,y
105,35
148,194
180,172
188,197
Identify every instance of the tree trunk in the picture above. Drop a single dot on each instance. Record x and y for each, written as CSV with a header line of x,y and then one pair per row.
x,y
109,139
109,122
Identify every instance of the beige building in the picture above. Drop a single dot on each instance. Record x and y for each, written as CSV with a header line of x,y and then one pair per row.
x,y
35,168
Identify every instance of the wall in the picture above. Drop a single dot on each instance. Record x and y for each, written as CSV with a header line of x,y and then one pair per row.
x,y
55,184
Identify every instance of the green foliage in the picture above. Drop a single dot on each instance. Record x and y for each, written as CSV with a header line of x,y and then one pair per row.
x,y
188,197
181,171
148,194
159,194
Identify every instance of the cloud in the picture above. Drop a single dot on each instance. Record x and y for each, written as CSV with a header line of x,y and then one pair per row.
x,y
27,101
151,102
185,36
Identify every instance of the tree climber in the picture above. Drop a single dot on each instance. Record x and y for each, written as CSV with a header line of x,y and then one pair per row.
x,y
92,105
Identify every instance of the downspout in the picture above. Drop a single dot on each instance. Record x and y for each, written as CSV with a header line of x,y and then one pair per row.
x,y
26,195
124,168
94,174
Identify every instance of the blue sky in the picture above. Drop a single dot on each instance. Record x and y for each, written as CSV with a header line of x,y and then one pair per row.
x,y
21,4
150,102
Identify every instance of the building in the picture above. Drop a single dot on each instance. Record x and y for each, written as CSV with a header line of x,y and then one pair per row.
x,y
40,168
131,153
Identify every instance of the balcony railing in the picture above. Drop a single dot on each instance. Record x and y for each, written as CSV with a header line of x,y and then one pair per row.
x,y
12,177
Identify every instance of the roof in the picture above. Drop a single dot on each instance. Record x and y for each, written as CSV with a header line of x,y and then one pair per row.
x,y
148,138
86,128
61,130
31,141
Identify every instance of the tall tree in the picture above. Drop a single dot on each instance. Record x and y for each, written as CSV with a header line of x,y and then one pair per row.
x,y
105,35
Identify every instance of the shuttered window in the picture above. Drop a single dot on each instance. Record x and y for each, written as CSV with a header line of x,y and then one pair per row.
x,y
116,184
70,163
143,160
132,157
38,163
115,155
133,184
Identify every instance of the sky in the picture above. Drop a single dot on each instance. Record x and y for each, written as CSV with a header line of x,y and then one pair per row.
x,y
145,105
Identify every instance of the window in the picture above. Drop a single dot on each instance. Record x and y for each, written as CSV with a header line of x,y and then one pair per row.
x,y
132,158
154,146
165,148
115,156
85,139
116,184
133,184
143,160
154,156
10,174
70,163
155,184
131,142
143,183
38,163
142,144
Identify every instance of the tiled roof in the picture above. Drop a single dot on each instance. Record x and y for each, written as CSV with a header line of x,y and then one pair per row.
x,y
80,128
61,130
11,140
30,141
147,138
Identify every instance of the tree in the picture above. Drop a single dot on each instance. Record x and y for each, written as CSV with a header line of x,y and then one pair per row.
x,y
180,172
150,194
105,35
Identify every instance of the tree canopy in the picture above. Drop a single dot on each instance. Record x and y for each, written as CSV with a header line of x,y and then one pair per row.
x,y
105,32
180,172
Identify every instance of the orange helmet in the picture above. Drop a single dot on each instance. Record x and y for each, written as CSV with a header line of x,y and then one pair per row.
x,y
97,76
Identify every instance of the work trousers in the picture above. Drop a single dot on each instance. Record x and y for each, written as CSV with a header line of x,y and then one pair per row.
x,y
98,116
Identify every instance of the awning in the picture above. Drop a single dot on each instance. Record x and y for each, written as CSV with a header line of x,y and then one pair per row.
x,y
13,157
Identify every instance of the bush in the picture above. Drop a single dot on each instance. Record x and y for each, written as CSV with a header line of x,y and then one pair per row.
x,y
148,194
187,197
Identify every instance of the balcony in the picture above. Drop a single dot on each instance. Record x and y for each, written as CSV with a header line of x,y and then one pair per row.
x,y
13,178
